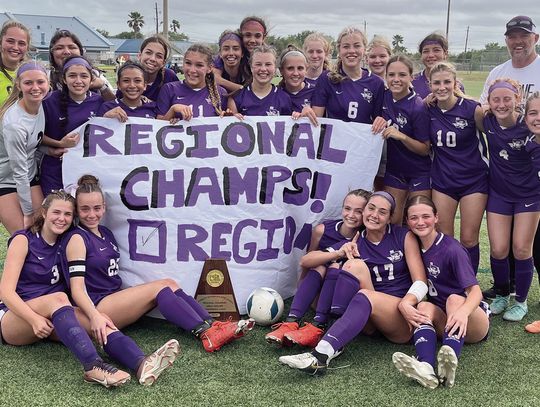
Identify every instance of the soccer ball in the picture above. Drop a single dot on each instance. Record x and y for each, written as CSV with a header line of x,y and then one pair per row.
x,y
265,306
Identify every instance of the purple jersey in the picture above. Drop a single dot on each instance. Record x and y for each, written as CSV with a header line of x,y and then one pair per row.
x,y
152,89
313,82
243,71
332,237
511,172
102,258
276,103
147,110
40,273
459,150
357,101
421,86
449,270
198,99
386,261
57,125
301,98
409,116
533,148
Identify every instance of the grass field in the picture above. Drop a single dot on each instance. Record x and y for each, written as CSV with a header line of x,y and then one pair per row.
x,y
503,371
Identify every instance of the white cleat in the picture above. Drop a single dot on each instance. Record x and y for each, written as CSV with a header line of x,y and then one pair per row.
x,y
447,362
411,367
156,363
305,362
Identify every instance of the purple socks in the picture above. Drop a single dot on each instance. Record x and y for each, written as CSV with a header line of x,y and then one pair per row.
x,y
425,343
474,254
347,285
524,276
455,343
74,336
194,304
306,293
326,295
124,350
351,323
177,311
500,269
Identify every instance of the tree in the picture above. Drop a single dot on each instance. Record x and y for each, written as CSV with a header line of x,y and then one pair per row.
x,y
175,26
105,33
128,35
136,21
397,44
174,36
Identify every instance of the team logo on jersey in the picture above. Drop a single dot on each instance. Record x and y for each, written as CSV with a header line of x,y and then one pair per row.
x,y
114,247
395,256
208,100
272,111
460,123
92,114
307,103
503,154
516,144
433,270
401,120
367,95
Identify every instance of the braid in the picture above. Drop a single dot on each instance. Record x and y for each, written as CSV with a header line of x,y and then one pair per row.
x,y
335,75
213,91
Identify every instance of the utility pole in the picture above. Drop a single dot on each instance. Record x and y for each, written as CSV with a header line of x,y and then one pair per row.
x,y
166,18
467,39
447,20
157,19
365,29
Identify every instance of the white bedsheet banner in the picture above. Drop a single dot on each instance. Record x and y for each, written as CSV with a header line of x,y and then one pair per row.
x,y
247,192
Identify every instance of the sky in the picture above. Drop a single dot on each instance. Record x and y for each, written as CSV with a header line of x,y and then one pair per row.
x,y
203,21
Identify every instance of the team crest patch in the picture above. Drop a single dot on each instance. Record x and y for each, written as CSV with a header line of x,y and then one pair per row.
x,y
208,100
503,154
401,120
307,103
367,95
433,270
115,247
460,123
92,114
272,111
395,256
516,144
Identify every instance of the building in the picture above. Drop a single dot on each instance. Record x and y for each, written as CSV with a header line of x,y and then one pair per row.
x,y
42,28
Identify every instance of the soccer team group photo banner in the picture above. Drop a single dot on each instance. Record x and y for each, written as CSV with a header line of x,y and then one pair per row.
x,y
244,191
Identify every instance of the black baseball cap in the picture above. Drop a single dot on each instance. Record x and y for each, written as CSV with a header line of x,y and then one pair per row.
x,y
521,23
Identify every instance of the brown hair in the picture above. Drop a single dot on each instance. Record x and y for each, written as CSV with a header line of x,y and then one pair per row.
x,y
39,219
256,19
418,200
436,37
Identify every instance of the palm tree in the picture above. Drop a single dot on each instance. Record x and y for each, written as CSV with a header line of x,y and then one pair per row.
x,y
136,21
175,25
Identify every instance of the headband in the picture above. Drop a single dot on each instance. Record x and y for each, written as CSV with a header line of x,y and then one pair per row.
x,y
76,61
503,85
293,52
254,25
388,197
230,36
30,66
431,42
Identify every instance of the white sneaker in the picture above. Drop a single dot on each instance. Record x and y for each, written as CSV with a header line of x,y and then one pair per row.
x,y
411,367
447,362
154,364
305,362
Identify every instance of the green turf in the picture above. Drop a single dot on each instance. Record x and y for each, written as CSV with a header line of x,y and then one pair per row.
x,y
503,371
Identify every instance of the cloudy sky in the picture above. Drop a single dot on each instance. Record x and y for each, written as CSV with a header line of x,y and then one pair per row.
x,y
204,20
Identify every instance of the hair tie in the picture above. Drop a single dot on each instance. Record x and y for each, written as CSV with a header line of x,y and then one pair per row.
x,y
230,36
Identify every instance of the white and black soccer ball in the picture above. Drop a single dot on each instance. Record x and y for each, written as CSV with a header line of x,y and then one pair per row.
x,y
265,306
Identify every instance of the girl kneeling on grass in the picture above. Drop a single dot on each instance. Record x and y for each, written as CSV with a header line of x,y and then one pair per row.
x,y
514,192
454,307
34,305
92,258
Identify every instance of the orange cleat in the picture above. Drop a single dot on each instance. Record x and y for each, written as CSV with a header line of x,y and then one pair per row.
x,y
279,330
533,327
309,335
222,333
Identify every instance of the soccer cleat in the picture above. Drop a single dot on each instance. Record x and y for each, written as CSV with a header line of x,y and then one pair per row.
x,y
447,362
411,367
499,304
153,365
279,330
533,327
516,312
222,333
306,362
490,293
106,375
309,335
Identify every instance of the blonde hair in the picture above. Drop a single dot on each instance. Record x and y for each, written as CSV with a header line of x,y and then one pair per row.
x,y
534,96
335,74
319,37
379,41
450,68
3,31
515,84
